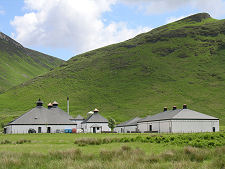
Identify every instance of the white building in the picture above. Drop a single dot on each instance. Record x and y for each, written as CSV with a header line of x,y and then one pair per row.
x,y
95,123
179,121
41,120
129,126
78,120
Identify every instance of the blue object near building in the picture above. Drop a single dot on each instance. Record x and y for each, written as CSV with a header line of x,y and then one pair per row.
x,y
68,131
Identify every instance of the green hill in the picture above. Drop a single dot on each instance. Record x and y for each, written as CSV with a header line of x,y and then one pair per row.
x,y
182,62
19,64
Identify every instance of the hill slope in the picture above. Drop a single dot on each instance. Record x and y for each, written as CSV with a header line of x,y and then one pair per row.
x,y
182,62
19,64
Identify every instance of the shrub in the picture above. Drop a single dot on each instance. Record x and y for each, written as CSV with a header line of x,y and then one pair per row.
x,y
6,142
23,141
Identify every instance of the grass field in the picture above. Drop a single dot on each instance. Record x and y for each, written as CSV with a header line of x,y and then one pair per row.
x,y
60,151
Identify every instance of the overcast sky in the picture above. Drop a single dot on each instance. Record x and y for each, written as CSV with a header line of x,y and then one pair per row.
x,y
65,28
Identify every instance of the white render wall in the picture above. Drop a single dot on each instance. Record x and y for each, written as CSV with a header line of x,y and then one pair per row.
x,y
78,122
20,129
87,127
143,126
126,129
194,126
180,126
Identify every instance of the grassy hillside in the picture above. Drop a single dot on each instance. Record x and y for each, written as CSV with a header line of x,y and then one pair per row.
x,y
182,62
19,64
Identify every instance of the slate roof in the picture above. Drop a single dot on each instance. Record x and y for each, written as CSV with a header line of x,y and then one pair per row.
x,y
132,122
95,118
79,117
178,114
96,125
42,115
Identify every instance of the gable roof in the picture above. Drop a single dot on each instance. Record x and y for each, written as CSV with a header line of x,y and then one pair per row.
x,y
79,117
132,122
41,115
95,118
178,114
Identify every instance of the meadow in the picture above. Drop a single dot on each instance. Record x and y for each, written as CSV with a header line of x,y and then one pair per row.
x,y
113,150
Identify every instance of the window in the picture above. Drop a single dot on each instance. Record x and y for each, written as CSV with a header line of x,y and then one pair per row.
x,y
97,128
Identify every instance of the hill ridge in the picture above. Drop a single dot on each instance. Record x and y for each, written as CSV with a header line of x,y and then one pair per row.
x,y
19,64
182,62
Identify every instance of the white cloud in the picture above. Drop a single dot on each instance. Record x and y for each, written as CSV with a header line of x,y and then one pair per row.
x,y
77,25
214,7
2,11
173,19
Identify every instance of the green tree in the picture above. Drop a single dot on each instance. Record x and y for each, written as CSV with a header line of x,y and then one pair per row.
x,y
112,124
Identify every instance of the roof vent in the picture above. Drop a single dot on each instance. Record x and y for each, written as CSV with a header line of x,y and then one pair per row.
x,y
49,105
55,104
165,109
184,106
39,102
96,110
174,107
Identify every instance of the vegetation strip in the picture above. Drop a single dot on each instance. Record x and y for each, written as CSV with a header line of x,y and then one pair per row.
x,y
124,158
195,140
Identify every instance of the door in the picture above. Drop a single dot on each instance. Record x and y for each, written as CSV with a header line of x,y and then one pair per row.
x,y
150,127
94,129
39,129
5,130
214,129
48,129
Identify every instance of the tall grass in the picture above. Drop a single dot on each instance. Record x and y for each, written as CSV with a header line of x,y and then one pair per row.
x,y
124,158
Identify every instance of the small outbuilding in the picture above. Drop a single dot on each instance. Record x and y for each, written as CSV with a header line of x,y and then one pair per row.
x,y
129,126
41,120
179,121
95,123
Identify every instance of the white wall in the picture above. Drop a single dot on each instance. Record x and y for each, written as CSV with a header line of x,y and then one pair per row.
x,y
87,127
180,126
192,126
143,126
78,122
126,129
16,129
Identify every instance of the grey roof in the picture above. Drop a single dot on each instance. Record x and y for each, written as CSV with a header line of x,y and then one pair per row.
x,y
132,122
96,125
178,114
143,119
42,115
95,118
79,117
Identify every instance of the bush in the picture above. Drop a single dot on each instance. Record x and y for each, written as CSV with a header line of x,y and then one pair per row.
x,y
6,142
23,141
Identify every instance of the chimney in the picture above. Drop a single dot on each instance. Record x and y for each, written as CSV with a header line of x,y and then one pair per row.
x,y
39,103
184,106
55,104
49,105
68,105
165,109
174,107
96,110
